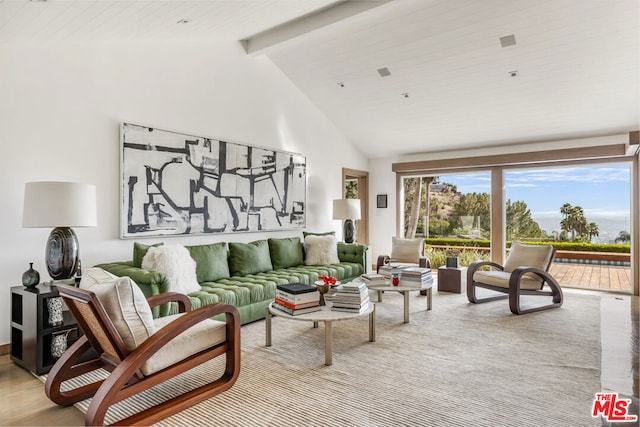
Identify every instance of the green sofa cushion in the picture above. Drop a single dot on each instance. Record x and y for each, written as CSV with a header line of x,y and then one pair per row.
x,y
139,251
286,252
249,258
211,261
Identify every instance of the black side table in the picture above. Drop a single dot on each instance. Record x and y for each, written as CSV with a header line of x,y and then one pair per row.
x,y
31,334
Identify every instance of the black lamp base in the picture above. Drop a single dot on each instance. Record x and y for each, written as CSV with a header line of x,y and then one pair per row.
x,y
349,231
61,253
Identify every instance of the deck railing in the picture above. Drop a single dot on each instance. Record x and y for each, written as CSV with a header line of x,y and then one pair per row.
x,y
579,257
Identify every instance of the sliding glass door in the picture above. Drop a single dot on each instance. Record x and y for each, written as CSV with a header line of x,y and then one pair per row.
x,y
585,211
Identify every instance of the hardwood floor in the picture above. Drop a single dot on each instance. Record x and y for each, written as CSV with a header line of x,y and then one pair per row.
x,y
25,404
592,276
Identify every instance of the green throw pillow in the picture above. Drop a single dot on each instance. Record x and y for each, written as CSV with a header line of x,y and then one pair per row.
x,y
139,251
286,252
249,258
211,261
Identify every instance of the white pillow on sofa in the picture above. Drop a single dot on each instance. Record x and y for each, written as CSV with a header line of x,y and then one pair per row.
x,y
176,263
321,250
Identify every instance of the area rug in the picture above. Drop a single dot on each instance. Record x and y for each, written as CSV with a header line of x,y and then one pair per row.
x,y
459,364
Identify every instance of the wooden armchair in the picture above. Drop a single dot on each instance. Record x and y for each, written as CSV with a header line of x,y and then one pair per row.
x,y
525,272
136,361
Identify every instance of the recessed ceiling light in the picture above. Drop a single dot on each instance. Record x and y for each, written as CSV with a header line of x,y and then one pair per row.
x,y
184,21
509,40
384,72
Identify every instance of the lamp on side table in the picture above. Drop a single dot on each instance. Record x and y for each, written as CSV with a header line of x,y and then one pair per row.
x,y
349,211
61,205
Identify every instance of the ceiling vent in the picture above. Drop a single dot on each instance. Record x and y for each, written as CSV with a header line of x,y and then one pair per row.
x,y
384,72
507,41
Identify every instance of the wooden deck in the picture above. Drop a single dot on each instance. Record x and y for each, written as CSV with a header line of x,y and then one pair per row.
x,y
592,276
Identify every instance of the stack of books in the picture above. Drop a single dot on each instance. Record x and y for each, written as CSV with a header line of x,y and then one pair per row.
x,y
297,298
387,270
351,297
416,276
374,279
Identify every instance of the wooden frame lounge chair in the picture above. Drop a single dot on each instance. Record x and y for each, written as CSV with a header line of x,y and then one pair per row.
x,y
136,362
525,272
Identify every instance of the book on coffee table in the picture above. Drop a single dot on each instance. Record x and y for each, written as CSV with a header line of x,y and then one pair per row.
x,y
293,312
374,279
296,288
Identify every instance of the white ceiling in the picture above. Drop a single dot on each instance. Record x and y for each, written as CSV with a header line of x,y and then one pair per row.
x,y
578,61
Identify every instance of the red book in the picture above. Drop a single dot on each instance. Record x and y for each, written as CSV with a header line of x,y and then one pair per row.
x,y
296,306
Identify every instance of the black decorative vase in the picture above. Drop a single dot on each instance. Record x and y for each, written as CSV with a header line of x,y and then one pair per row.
x,y
31,277
349,231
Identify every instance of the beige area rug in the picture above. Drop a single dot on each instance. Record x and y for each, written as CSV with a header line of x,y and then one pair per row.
x,y
456,365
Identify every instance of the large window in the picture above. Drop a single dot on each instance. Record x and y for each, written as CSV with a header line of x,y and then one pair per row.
x,y
451,212
455,206
583,209
575,204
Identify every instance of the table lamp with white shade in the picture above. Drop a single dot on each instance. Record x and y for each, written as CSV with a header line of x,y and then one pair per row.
x,y
61,205
349,211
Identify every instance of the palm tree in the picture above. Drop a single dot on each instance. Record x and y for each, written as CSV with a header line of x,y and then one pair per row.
x,y
592,230
573,221
623,237
565,210
578,222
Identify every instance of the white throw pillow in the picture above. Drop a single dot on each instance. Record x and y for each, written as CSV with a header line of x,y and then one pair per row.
x,y
321,250
124,303
176,263
406,250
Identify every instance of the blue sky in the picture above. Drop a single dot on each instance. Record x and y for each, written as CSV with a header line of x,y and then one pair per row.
x,y
601,190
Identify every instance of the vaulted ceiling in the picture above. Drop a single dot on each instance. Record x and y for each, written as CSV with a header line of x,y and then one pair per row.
x,y
573,71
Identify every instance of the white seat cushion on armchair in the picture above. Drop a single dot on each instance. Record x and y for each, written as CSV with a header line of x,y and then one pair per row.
x,y
537,256
200,336
501,279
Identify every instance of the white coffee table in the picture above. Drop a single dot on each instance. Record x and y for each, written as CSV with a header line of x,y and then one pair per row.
x,y
327,316
404,290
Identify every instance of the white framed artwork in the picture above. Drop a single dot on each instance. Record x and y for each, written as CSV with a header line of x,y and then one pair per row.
x,y
176,184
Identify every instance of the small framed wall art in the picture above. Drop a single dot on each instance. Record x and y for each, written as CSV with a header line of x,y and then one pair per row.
x,y
381,200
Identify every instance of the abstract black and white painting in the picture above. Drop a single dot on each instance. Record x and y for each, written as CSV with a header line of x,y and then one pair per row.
x,y
175,184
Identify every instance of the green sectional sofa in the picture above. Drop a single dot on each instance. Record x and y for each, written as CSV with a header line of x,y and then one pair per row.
x,y
242,274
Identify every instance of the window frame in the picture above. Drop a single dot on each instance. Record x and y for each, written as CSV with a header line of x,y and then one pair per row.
x,y
498,164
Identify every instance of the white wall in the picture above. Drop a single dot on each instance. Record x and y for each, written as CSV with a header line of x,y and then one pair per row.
x,y
382,228
60,110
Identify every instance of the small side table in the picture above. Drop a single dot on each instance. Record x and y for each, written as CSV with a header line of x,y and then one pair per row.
x,y
452,279
31,333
